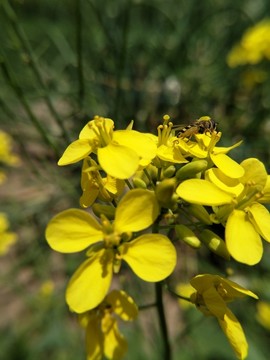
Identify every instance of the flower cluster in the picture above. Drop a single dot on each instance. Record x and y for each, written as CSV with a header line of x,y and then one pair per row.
x,y
142,194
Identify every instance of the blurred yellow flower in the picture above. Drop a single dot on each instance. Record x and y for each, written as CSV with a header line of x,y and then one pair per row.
x,y
253,47
7,238
263,314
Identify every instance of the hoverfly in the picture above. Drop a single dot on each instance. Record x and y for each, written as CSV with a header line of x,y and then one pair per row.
x,y
201,126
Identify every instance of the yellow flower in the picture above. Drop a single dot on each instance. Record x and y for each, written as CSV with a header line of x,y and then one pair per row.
x,y
248,221
151,256
253,47
119,153
102,334
211,297
237,204
93,185
7,238
263,314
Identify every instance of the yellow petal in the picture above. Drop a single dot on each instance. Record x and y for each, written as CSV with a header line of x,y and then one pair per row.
x,y
94,340
76,151
235,290
198,191
142,144
122,305
171,154
72,230
255,173
151,256
260,218
115,345
242,240
137,210
90,283
89,196
214,302
235,334
225,183
118,161
228,166
266,192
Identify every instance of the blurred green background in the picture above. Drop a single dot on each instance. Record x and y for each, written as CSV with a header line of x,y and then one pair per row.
x,y
62,62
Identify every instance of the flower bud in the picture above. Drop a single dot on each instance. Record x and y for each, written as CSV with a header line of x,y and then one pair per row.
x,y
200,213
187,235
139,183
191,169
169,171
107,210
214,243
164,193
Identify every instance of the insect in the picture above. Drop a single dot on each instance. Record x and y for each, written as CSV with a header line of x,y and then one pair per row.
x,y
201,126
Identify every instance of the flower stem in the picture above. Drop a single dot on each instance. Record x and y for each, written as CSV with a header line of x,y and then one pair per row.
x,y
162,322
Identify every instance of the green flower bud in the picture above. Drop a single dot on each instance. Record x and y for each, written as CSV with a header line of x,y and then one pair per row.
x,y
107,210
191,169
165,192
200,213
169,171
214,243
187,235
139,183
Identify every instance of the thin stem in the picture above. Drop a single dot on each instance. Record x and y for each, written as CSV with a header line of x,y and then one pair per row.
x,y
122,60
162,322
19,92
9,12
81,89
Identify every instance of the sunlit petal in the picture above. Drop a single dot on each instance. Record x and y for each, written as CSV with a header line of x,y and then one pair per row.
x,y
142,144
235,334
151,256
90,283
227,165
137,210
198,191
72,230
260,218
75,152
243,241
118,161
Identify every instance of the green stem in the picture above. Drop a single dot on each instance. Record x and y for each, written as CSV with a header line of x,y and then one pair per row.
x,y
121,61
19,92
162,322
9,12
81,89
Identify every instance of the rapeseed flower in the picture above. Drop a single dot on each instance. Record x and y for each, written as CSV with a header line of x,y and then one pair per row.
x,y
211,297
253,47
102,333
151,256
119,153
